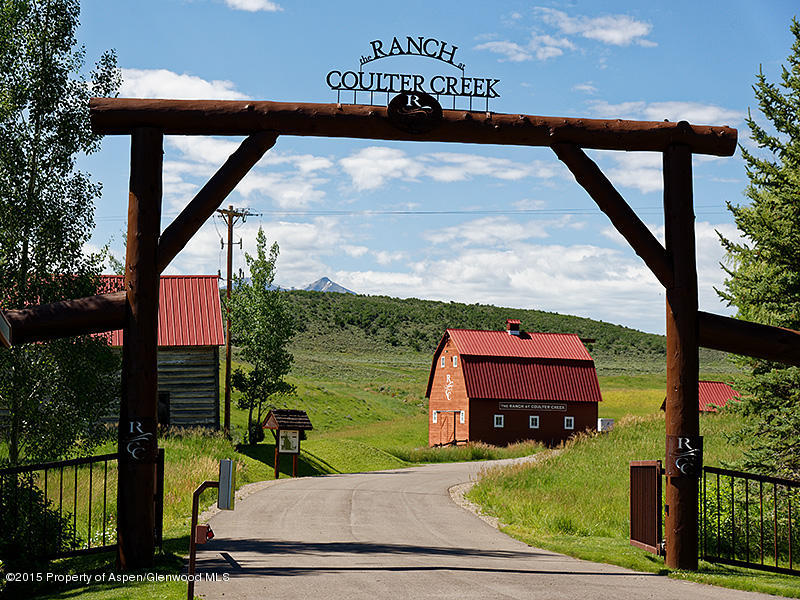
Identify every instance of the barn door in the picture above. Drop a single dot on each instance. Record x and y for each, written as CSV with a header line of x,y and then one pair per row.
x,y
646,508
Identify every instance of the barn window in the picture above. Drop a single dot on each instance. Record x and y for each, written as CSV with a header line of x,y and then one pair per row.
x,y
498,420
435,415
455,360
461,416
533,421
569,422
443,362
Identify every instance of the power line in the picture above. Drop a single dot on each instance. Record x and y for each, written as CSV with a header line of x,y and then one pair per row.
x,y
655,209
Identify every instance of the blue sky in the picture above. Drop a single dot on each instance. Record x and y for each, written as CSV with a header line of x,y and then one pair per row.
x,y
513,228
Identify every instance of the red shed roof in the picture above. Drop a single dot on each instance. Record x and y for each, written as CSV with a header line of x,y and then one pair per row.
x,y
531,366
189,310
715,394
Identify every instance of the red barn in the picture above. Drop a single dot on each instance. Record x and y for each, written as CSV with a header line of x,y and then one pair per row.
x,y
500,387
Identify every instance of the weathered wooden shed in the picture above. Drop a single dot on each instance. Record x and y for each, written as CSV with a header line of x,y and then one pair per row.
x,y
190,333
501,387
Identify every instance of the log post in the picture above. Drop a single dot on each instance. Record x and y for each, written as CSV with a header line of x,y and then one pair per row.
x,y
139,402
682,420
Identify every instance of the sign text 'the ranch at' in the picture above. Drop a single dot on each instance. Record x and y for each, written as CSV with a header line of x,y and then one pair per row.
x,y
395,83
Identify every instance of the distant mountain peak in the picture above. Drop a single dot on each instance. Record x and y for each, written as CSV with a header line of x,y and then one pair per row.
x,y
323,284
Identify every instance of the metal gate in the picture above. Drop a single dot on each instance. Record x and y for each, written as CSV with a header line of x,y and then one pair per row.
x,y
646,505
67,508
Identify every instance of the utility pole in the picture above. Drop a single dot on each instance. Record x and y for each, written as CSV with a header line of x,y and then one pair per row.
x,y
230,216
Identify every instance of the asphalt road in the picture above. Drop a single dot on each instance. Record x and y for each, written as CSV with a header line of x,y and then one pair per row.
x,y
397,534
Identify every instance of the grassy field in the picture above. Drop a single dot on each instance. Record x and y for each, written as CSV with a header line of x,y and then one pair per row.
x,y
590,475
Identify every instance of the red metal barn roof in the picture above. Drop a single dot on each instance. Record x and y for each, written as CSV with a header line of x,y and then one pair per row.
x,y
189,310
715,394
531,366
558,346
524,379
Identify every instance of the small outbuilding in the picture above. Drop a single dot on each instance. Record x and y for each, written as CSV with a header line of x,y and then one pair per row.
x,y
715,394
190,333
501,387
712,395
288,426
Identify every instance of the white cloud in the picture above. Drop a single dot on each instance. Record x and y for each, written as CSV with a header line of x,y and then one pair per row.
x,y
354,251
288,191
254,5
709,254
693,112
529,204
643,171
580,279
540,47
450,166
383,257
304,248
203,149
640,170
161,83
292,181
512,51
371,168
488,231
616,30
586,88
547,46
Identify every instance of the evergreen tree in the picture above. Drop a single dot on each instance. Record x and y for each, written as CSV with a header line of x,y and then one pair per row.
x,y
764,269
261,326
53,392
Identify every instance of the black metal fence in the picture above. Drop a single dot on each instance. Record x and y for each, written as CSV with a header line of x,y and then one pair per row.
x,y
750,520
66,508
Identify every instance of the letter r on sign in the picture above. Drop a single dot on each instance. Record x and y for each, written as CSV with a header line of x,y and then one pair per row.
x,y
413,100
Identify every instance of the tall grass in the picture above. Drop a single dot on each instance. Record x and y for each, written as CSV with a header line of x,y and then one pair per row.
x,y
590,475
467,452
575,499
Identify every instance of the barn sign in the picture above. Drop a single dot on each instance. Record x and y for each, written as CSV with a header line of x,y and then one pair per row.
x,y
455,86
531,406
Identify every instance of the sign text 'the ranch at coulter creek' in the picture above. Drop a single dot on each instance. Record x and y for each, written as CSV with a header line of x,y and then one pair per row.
x,y
396,83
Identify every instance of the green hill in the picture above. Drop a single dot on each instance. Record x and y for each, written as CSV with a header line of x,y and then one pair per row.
x,y
356,324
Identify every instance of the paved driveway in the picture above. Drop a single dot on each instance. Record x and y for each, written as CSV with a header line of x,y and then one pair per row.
x,y
398,535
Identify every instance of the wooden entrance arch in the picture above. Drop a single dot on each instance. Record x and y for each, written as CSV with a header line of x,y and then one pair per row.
x,y
148,253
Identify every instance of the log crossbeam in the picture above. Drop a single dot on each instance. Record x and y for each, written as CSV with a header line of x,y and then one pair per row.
x,y
106,312
119,116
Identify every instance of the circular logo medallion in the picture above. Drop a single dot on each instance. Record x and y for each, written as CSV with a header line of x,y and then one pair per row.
x,y
414,112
